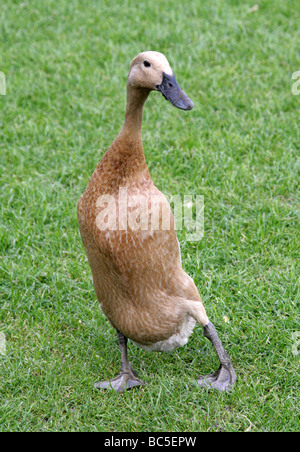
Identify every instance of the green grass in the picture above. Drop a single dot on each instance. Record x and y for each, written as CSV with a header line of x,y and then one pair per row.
x,y
66,65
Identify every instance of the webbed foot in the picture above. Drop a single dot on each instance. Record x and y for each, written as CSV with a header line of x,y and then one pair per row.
x,y
126,380
222,380
225,377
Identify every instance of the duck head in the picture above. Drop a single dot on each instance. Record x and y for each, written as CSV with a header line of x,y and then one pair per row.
x,y
152,71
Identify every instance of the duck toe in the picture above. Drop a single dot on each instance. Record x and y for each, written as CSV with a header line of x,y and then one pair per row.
x,y
222,380
121,382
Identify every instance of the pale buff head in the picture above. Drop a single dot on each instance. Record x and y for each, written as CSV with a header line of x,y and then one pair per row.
x,y
152,71
146,70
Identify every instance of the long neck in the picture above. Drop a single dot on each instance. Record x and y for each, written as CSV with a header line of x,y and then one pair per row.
x,y
125,159
136,97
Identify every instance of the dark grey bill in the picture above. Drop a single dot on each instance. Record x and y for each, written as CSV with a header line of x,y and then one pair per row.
x,y
173,93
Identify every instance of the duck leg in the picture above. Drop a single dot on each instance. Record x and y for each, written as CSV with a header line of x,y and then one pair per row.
x,y
126,379
224,378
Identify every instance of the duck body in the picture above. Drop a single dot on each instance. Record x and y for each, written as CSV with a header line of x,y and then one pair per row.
x,y
137,274
128,231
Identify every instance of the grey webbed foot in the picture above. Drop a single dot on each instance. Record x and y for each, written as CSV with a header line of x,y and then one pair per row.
x,y
126,380
225,377
222,380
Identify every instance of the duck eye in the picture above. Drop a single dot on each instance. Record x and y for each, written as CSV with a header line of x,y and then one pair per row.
x,y
147,64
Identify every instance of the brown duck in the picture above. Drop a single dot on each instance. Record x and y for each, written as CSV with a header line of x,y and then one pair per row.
x,y
134,257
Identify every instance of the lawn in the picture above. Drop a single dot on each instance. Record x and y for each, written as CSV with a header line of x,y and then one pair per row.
x,y
66,64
